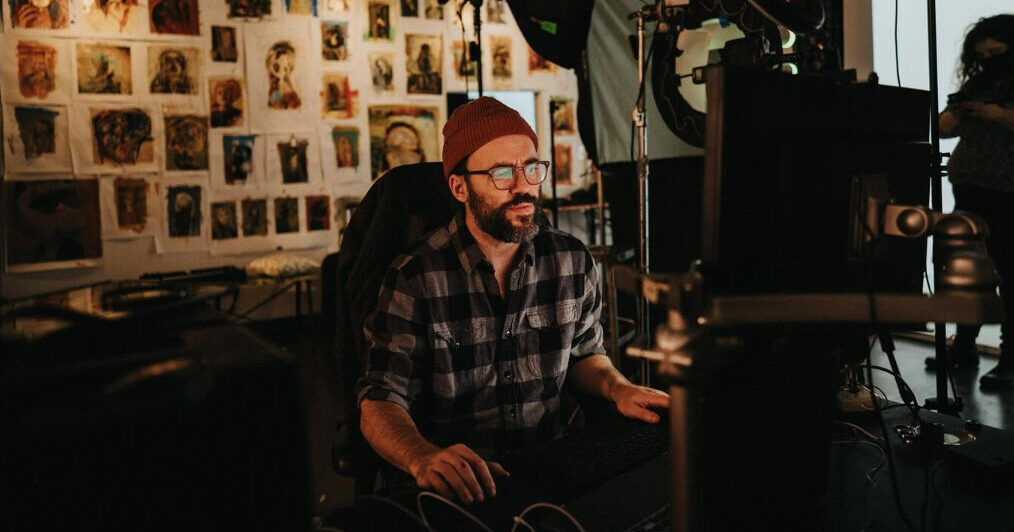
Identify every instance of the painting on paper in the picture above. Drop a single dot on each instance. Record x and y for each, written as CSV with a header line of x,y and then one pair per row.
x,y
249,8
379,23
183,210
113,16
224,220
563,167
401,135
177,17
336,98
52,221
503,68
464,64
255,217
224,44
186,142
346,146
318,213
538,64
334,37
103,69
423,53
301,7
173,69
121,136
227,103
563,115
286,215
382,70
36,69
40,14
131,197
238,151
292,158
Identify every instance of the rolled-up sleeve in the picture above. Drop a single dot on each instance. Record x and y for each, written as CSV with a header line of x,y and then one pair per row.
x,y
397,341
588,335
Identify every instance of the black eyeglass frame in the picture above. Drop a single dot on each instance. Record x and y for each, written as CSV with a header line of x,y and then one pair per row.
x,y
514,174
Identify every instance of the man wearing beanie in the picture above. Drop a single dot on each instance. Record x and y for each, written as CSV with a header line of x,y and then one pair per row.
x,y
477,330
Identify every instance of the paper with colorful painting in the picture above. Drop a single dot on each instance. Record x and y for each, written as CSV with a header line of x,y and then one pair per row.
x,y
116,138
52,224
131,207
401,134
37,70
281,76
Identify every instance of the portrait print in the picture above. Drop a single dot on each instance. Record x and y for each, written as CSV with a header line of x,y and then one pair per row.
x,y
131,196
538,64
503,68
113,16
223,220
40,14
178,17
495,12
36,69
334,40
379,23
286,215
52,221
423,63
186,142
318,213
255,217
103,69
401,135
37,129
410,8
301,7
337,100
382,70
280,63
224,47
227,103
292,158
121,136
563,115
184,210
173,70
562,168
434,10
238,151
249,8
464,64
346,146
36,139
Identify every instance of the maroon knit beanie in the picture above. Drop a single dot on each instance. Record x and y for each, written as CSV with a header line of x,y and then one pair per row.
x,y
476,123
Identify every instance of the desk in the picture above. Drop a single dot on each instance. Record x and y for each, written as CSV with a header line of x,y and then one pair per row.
x,y
276,287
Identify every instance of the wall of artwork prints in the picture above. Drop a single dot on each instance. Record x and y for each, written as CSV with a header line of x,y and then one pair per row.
x,y
159,135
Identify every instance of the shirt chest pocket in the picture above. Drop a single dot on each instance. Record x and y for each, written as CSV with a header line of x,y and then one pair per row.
x,y
462,359
546,333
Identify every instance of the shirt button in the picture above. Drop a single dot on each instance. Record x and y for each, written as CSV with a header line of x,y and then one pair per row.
x,y
508,334
511,413
507,374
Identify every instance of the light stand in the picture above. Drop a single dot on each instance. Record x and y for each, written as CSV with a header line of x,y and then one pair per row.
x,y
941,403
643,308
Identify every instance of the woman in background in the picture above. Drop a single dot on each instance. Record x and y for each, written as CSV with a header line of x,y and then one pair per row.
x,y
981,169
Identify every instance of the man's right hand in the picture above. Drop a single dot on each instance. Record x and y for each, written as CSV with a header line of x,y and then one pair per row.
x,y
456,471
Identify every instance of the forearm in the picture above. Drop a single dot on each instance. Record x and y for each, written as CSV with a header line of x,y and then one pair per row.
x,y
393,435
596,375
948,123
1006,119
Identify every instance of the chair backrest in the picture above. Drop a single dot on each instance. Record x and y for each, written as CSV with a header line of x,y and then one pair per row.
x,y
399,209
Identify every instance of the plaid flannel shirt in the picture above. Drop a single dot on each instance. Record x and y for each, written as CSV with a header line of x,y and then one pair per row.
x,y
469,365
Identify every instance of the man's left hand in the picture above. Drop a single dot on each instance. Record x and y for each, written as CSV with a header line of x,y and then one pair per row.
x,y
637,401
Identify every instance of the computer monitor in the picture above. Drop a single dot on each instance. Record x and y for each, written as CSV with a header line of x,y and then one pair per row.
x,y
789,163
521,101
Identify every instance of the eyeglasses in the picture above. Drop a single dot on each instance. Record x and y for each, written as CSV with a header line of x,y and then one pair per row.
x,y
503,176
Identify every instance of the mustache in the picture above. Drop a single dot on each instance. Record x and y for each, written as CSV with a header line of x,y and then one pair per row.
x,y
522,198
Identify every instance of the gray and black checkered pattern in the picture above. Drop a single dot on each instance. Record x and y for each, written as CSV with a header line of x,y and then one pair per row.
x,y
470,365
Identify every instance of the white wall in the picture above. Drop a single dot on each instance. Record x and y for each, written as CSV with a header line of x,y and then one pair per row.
x,y
954,17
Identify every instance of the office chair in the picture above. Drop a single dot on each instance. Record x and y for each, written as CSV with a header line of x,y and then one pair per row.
x,y
399,209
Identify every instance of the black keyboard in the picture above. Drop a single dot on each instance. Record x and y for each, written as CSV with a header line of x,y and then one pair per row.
x,y
579,462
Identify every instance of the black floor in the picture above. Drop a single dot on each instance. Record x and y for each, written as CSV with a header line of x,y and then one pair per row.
x,y
993,408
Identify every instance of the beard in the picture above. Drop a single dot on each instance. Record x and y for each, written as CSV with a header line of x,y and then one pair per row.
x,y
493,220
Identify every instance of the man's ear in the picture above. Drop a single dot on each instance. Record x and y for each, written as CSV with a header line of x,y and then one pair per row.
x,y
458,188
